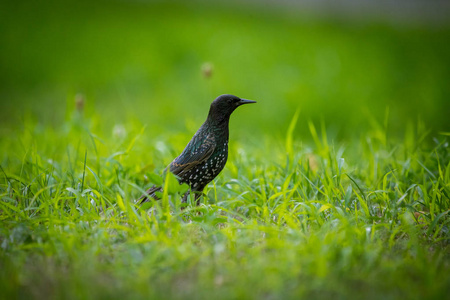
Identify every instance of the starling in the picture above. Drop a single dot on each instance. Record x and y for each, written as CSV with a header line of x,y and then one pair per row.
x,y
207,152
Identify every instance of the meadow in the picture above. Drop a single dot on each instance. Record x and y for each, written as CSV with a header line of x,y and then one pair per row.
x,y
337,182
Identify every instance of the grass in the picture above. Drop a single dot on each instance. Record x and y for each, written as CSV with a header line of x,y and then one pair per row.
x,y
337,183
312,221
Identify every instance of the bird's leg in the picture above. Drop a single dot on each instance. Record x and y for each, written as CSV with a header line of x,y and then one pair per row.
x,y
197,198
184,199
196,194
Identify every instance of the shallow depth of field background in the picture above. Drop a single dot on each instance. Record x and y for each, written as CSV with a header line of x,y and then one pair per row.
x,y
142,61
97,97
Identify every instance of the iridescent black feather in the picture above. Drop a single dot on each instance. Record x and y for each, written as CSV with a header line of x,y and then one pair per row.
x,y
207,152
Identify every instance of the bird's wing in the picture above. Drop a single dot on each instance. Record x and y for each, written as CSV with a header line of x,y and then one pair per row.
x,y
195,153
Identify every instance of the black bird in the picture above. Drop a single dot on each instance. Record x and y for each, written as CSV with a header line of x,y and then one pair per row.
x,y
207,152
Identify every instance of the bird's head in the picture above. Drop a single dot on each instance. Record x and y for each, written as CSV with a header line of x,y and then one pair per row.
x,y
223,106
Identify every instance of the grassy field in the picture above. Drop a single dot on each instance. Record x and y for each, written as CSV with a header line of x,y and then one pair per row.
x,y
337,183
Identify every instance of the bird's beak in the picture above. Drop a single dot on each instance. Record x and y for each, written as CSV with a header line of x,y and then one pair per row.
x,y
245,101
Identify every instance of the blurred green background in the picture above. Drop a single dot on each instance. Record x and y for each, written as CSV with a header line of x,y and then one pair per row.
x,y
362,211
141,61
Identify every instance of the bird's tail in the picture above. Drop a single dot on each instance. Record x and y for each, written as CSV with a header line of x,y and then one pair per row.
x,y
150,193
